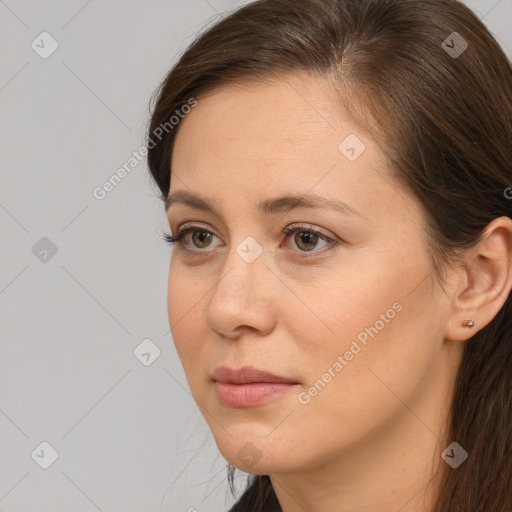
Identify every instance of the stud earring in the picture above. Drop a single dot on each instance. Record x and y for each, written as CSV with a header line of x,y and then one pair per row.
x,y
468,323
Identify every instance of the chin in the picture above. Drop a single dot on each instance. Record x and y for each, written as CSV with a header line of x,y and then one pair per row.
x,y
257,455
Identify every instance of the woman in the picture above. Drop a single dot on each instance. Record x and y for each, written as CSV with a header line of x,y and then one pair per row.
x,y
340,293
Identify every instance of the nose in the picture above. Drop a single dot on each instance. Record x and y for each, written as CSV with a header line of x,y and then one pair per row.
x,y
242,300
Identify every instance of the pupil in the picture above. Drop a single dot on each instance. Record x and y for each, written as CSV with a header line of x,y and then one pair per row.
x,y
203,237
307,238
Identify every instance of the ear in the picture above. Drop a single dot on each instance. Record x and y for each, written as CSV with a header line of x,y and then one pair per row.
x,y
484,282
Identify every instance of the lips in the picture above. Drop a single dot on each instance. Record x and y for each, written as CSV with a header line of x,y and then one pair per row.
x,y
249,387
247,375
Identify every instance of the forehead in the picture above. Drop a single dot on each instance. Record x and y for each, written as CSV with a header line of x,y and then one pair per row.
x,y
265,118
244,143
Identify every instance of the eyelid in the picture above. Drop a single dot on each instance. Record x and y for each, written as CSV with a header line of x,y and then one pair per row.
x,y
194,225
287,230
307,227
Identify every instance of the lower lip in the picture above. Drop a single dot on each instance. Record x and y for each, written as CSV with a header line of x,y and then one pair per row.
x,y
250,395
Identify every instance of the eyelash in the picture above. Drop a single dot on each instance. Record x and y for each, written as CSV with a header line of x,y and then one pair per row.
x,y
171,239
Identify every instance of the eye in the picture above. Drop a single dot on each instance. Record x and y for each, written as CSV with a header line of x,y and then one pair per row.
x,y
200,236
306,238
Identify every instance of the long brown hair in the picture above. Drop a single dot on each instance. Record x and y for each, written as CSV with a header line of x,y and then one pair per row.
x,y
435,89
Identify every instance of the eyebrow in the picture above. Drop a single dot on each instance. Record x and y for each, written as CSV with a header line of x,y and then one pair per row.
x,y
268,206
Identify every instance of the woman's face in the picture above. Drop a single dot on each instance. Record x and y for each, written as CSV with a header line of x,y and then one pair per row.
x,y
355,324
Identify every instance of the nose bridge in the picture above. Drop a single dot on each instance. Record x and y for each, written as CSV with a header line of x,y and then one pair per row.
x,y
244,267
240,295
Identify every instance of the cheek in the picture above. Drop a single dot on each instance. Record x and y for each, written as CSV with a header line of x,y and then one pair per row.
x,y
378,350
184,308
345,306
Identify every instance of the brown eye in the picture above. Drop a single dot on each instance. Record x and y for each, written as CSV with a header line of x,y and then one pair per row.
x,y
306,240
201,237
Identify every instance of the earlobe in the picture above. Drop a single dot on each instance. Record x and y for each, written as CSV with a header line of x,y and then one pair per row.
x,y
485,281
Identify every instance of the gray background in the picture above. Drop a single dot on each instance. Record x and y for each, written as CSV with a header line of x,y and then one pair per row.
x,y
129,436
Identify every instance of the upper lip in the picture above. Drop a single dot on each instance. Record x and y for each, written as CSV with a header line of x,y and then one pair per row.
x,y
247,375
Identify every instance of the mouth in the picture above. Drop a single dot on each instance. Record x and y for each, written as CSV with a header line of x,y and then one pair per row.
x,y
249,387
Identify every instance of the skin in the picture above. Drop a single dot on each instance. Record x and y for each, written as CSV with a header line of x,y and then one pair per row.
x,y
371,439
